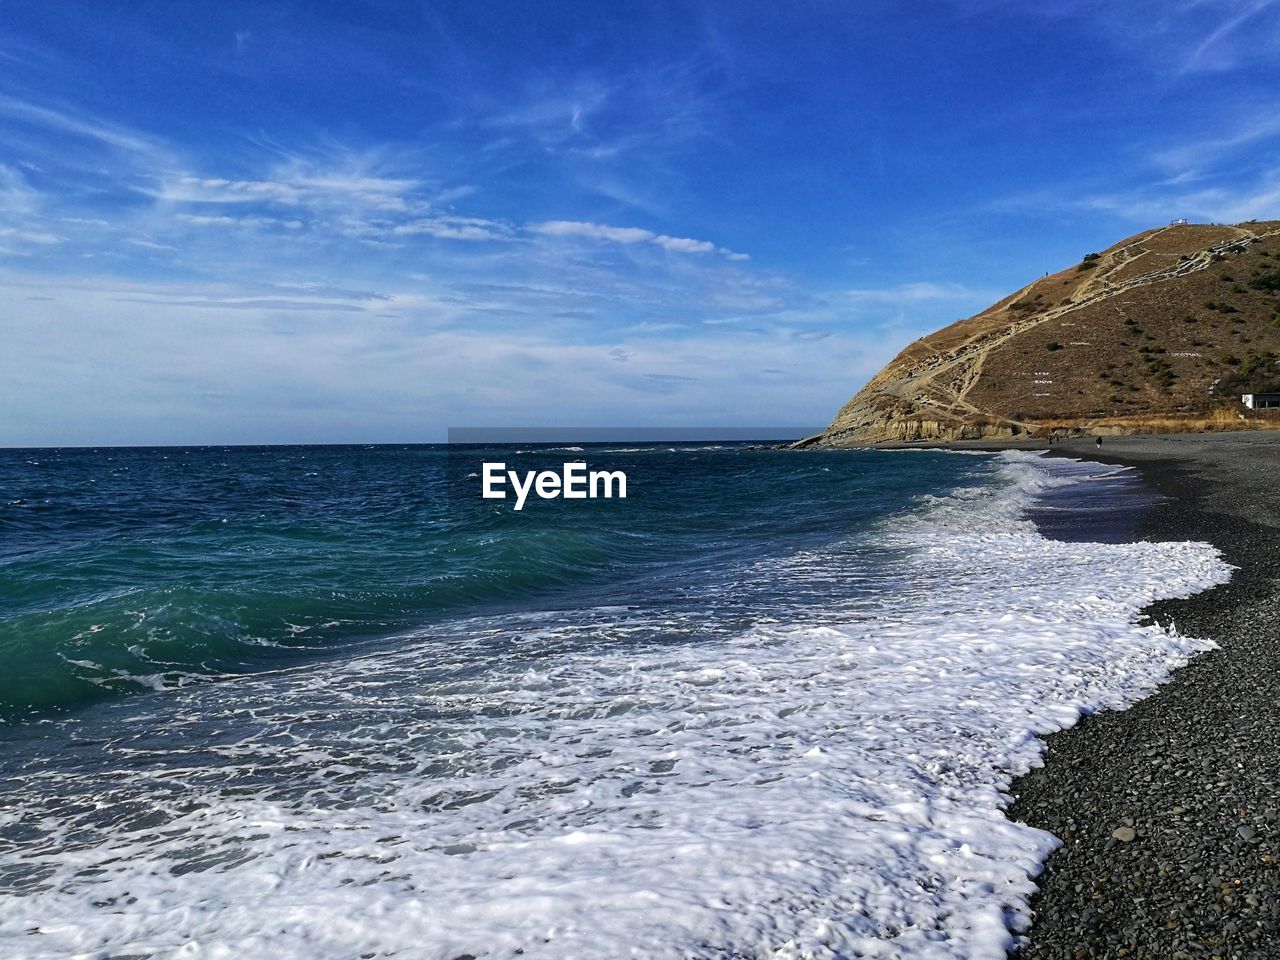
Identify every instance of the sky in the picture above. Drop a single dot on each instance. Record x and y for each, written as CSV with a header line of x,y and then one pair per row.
x,y
371,221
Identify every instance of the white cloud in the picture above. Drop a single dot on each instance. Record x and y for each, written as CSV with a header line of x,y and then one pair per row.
x,y
1172,38
201,220
1187,160
1225,29
114,136
30,236
189,189
16,196
321,183
593,231
1155,204
402,369
684,245
557,117
628,236
455,228
222,220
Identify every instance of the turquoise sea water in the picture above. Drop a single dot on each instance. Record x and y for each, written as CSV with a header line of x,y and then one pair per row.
x,y
327,702
137,569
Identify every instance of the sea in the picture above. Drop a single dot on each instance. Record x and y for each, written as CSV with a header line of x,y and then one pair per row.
x,y
318,702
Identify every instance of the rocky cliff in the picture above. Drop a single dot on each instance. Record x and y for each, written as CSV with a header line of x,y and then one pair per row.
x,y
1160,332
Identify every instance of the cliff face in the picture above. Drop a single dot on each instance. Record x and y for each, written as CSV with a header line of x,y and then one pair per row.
x,y
1160,332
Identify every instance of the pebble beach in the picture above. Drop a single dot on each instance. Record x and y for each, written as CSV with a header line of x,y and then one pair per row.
x,y
1169,812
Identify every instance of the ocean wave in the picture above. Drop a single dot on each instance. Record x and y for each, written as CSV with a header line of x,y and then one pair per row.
x,y
641,779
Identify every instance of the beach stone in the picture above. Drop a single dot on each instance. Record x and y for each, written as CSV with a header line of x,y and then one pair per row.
x,y
1207,803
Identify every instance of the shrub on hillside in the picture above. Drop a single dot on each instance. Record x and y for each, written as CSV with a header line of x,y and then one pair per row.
x,y
1256,373
1269,281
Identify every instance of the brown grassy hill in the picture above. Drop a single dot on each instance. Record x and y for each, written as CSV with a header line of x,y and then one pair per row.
x,y
1163,331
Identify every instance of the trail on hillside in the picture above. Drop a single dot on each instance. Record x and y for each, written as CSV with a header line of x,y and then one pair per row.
x,y
942,381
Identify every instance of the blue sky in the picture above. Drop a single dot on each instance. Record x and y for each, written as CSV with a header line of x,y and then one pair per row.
x,y
370,221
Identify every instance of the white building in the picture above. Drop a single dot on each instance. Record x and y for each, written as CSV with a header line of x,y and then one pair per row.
x,y
1261,401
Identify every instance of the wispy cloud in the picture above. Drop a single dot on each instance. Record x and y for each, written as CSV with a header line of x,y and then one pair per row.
x,y
22,225
524,210
266,304
629,236
223,220
16,196
1158,200
1237,18
294,187
455,228
1190,159
68,121
326,372
555,116
29,236
1178,40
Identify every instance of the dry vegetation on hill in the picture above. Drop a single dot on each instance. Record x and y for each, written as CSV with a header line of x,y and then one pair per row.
x,y
1161,332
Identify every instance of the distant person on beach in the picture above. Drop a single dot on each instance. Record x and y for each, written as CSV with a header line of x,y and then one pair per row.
x,y
1098,441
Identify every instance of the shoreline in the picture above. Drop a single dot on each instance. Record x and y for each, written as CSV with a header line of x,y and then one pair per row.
x,y
1191,770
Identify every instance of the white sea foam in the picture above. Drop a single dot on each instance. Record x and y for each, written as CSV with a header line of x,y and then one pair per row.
x,y
824,787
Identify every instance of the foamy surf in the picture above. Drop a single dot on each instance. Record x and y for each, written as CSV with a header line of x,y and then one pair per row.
x,y
826,783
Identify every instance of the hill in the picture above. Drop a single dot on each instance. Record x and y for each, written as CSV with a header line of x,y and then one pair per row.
x,y
1162,331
